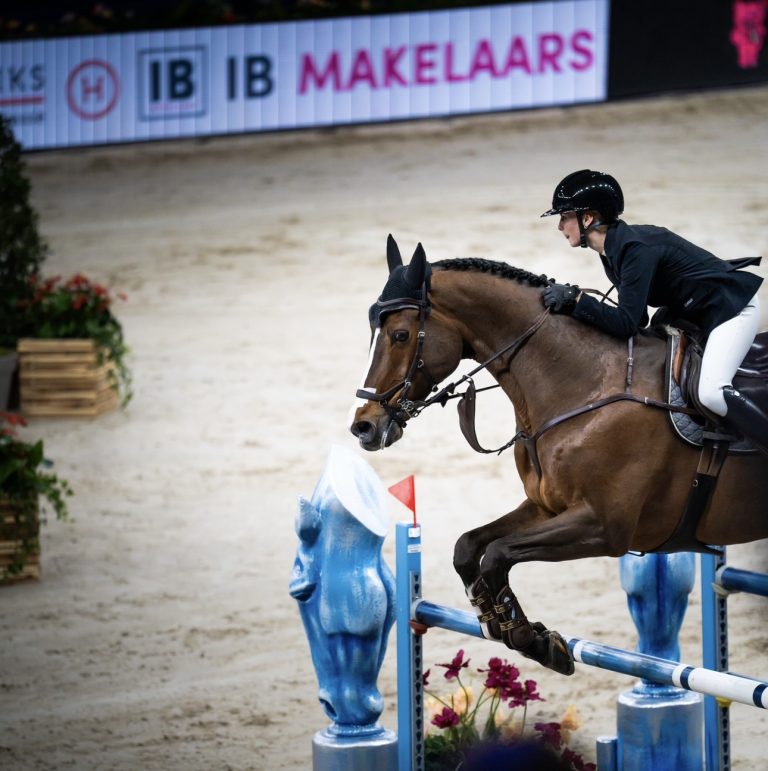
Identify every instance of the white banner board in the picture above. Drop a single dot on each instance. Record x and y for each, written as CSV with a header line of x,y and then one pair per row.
x,y
197,82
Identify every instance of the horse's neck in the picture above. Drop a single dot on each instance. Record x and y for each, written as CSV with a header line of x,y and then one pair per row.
x,y
562,365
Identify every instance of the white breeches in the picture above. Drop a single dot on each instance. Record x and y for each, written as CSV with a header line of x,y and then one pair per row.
x,y
726,348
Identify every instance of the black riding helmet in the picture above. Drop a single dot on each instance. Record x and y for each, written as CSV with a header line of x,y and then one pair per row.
x,y
588,190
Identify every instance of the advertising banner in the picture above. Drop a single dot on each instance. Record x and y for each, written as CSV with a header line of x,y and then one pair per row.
x,y
685,46
198,82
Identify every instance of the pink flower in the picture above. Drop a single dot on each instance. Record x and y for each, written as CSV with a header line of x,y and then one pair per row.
x,y
446,719
550,732
576,761
455,666
502,676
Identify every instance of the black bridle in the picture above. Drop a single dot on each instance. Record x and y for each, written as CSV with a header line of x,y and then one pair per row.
x,y
405,408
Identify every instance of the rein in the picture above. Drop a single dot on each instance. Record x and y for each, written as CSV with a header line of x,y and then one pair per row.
x,y
405,409
446,393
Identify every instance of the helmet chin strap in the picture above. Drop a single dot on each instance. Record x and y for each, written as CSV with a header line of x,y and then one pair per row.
x,y
583,231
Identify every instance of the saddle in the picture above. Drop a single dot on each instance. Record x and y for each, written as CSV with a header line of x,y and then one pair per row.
x,y
704,429
683,368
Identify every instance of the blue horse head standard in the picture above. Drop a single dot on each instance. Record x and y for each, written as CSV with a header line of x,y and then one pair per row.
x,y
345,590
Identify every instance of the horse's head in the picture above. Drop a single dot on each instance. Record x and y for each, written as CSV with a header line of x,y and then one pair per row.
x,y
412,349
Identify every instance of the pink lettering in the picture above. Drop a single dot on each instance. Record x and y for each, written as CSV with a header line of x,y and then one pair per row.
x,y
550,49
482,61
450,75
391,73
586,56
748,33
517,57
308,71
362,70
425,63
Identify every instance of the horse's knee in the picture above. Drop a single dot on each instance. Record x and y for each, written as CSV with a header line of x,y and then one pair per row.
x,y
465,558
496,564
617,542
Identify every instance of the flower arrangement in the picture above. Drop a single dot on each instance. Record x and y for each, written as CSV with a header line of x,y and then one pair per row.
x,y
467,725
79,308
24,479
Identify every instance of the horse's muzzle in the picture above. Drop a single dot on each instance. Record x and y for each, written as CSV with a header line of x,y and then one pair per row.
x,y
376,435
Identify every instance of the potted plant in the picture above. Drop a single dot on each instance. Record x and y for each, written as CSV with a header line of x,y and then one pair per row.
x,y
25,478
22,252
73,310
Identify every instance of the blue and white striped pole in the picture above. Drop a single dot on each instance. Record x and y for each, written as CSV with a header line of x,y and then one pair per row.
x,y
743,690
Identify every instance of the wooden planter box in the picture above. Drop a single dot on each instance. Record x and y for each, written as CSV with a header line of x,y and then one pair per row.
x,y
19,541
62,378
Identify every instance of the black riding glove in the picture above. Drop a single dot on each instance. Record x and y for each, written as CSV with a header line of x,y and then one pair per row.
x,y
560,298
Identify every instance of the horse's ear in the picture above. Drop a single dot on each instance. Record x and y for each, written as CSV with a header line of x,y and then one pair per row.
x,y
394,260
417,270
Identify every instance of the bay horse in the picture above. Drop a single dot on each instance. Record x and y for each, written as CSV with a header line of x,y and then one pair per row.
x,y
600,482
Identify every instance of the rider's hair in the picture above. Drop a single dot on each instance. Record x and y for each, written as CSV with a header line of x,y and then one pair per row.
x,y
601,225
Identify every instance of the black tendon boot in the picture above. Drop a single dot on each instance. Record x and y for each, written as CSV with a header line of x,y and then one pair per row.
x,y
747,418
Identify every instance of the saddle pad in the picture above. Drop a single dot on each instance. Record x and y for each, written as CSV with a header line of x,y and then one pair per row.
x,y
689,428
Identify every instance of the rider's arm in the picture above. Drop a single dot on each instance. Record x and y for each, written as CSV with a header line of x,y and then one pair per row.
x,y
635,272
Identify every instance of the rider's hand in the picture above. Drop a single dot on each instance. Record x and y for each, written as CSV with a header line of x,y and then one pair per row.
x,y
560,298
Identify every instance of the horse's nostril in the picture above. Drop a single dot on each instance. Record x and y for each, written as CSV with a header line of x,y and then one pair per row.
x,y
364,429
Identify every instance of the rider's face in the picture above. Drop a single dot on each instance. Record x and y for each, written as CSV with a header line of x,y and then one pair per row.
x,y
569,227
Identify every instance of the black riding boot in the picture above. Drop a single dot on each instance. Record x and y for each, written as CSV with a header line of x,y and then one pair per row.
x,y
747,418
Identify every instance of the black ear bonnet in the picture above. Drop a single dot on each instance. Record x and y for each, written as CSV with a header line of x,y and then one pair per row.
x,y
398,294
406,287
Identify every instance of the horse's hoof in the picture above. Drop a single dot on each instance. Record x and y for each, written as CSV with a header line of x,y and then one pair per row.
x,y
551,650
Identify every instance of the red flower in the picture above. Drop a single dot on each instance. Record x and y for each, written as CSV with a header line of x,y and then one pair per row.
x,y
425,678
446,719
455,666
12,419
550,732
577,762
78,281
501,675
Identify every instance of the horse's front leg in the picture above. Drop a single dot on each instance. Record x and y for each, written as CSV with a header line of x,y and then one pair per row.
x,y
575,533
469,551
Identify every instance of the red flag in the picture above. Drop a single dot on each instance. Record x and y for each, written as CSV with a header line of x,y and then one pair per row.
x,y
405,492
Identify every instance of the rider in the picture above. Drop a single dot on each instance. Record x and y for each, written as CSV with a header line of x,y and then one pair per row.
x,y
652,266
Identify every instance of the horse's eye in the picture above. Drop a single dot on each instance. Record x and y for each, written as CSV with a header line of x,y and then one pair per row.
x,y
400,335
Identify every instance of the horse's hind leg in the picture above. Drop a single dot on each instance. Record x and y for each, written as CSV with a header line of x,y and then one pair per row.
x,y
469,551
576,533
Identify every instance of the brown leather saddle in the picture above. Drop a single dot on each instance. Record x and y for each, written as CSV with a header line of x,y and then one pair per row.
x,y
710,432
683,369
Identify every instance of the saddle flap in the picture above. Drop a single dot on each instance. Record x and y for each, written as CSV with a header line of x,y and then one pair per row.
x,y
755,363
682,384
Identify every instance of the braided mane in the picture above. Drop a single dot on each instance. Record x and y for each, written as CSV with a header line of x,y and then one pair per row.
x,y
493,267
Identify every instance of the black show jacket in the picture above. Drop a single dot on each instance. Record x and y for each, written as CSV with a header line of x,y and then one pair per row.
x,y
650,265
